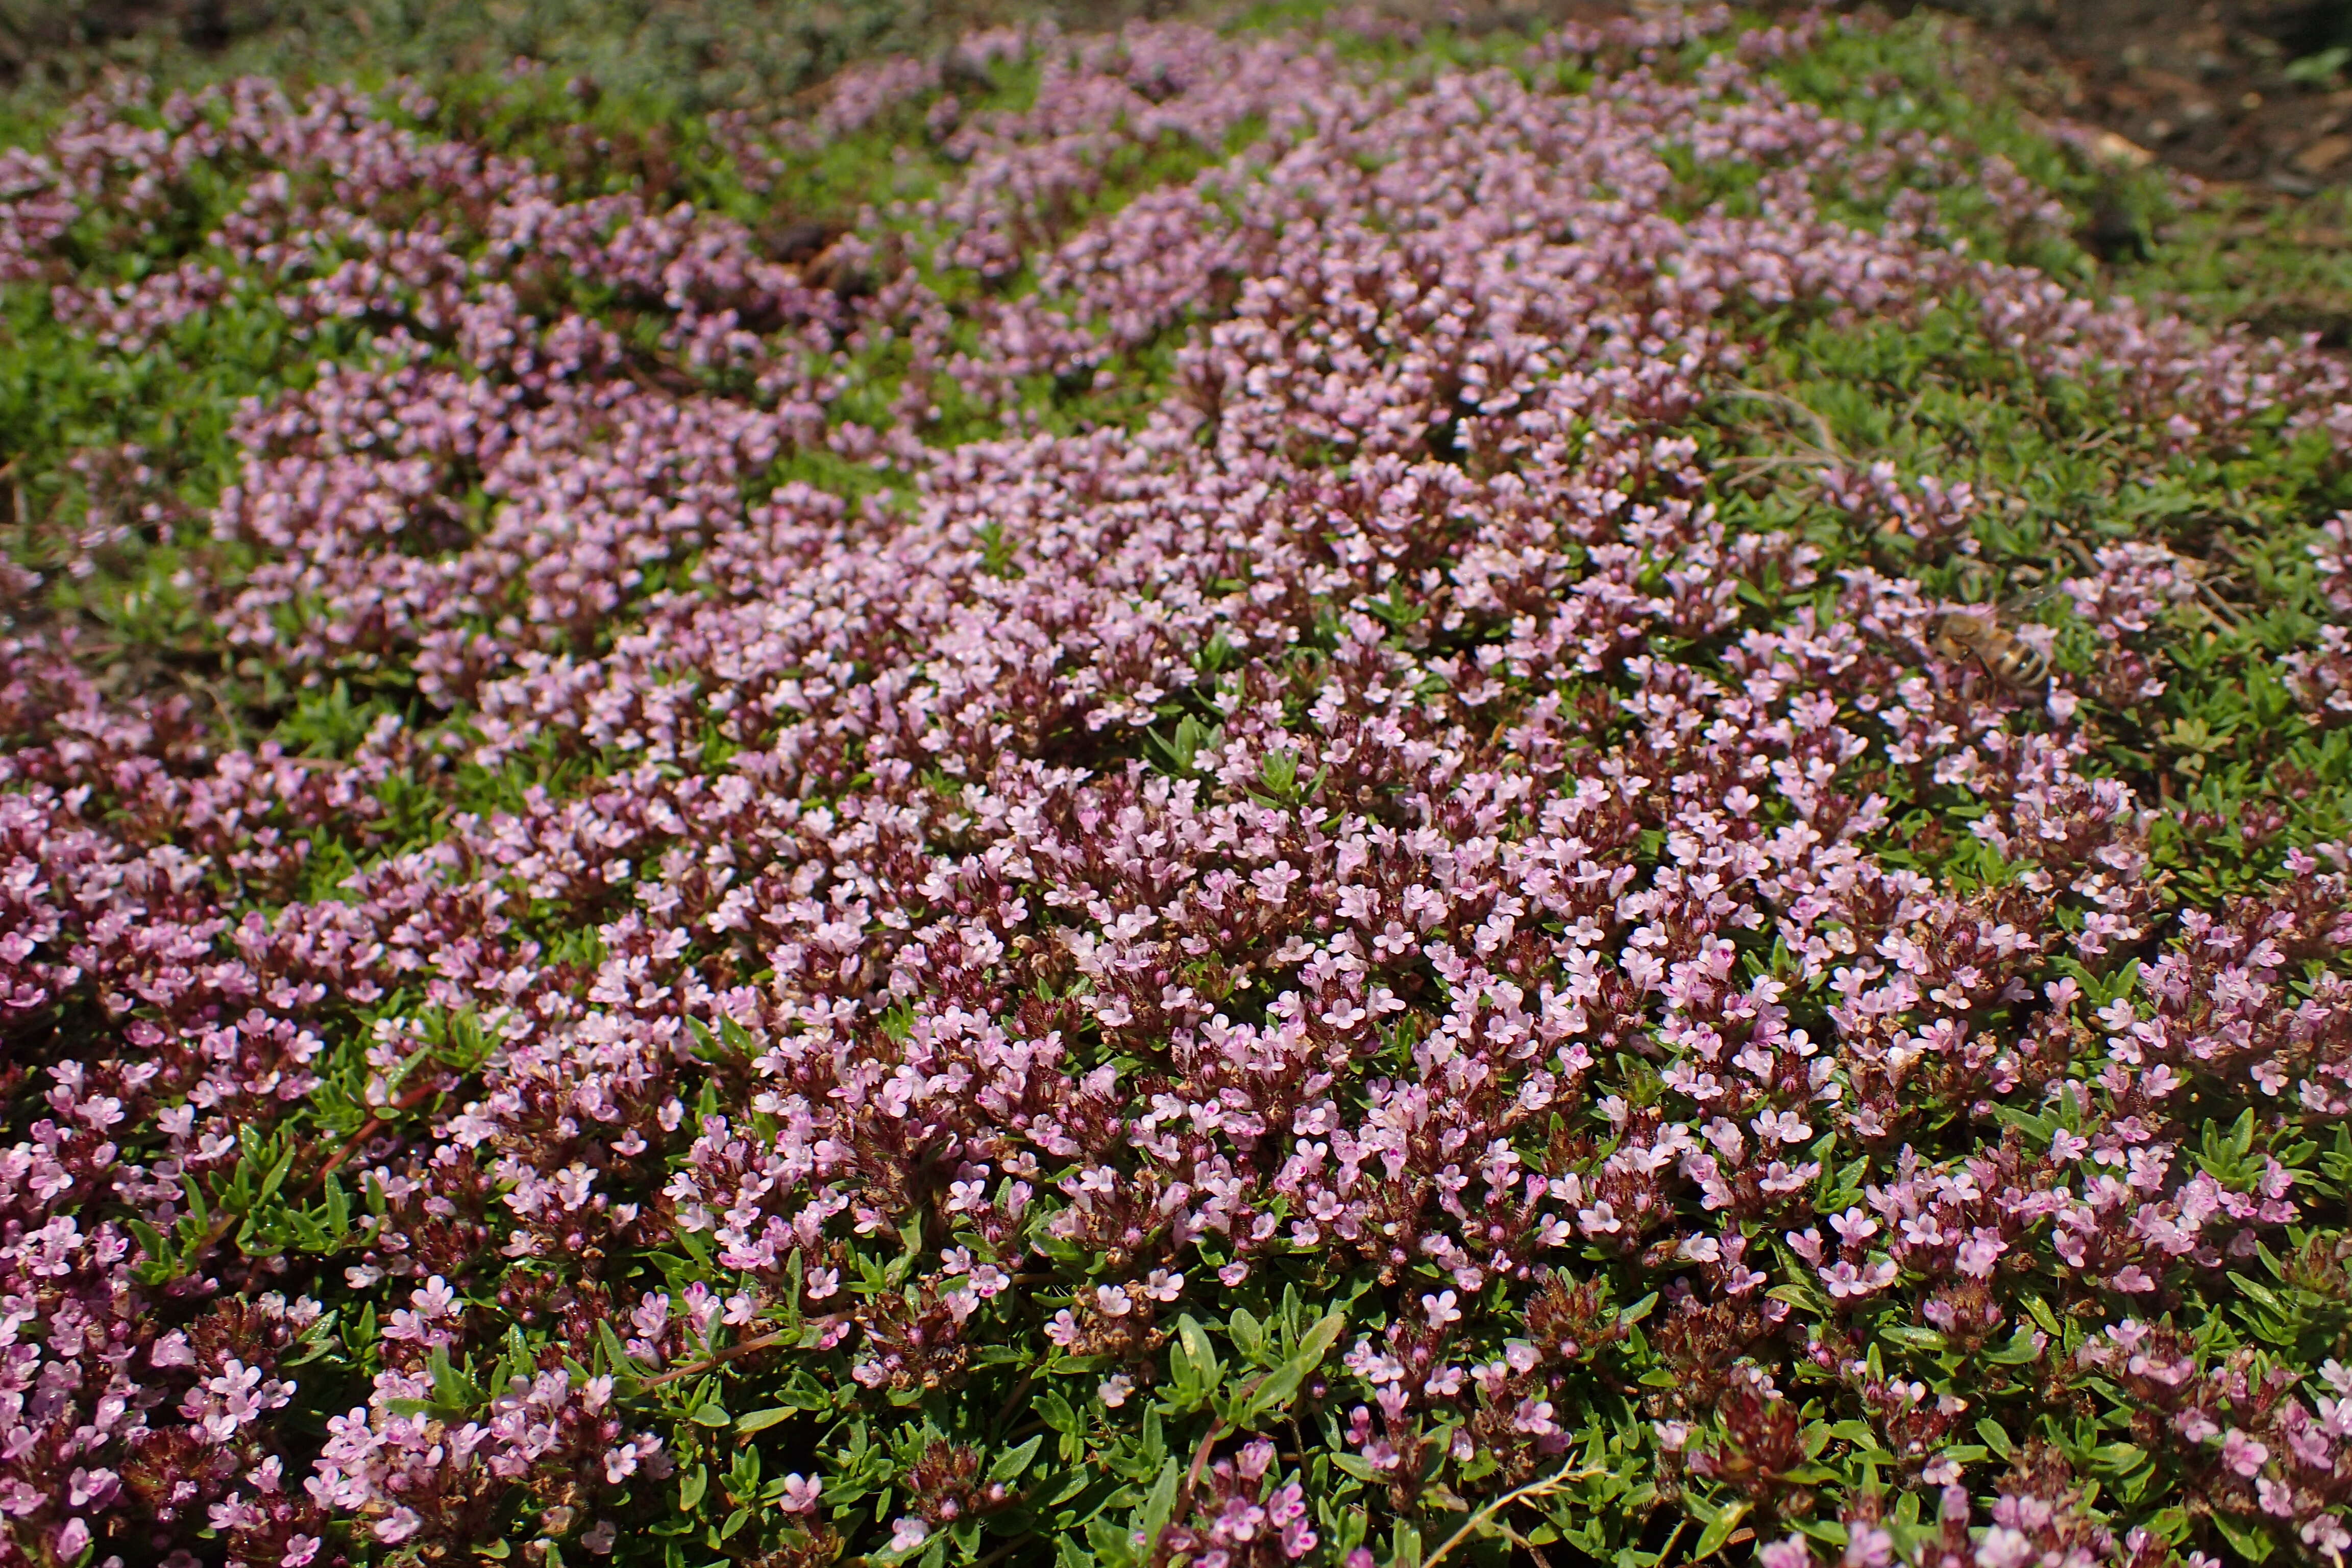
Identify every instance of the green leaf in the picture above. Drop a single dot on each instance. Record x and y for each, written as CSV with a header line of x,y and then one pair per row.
x,y
1008,1465
1718,1531
739,1040
711,1414
1318,1339
616,1356
277,1176
2249,1541
2259,1292
197,1209
691,1486
1199,1371
760,1420
1110,1545
150,1239
1159,1504
1155,1439
2319,70
2038,1130
695,1245
448,1389
1278,1387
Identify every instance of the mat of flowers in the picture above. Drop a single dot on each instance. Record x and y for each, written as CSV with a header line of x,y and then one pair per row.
x,y
1364,960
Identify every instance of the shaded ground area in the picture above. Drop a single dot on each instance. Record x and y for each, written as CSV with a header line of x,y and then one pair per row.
x,y
2252,92
2251,97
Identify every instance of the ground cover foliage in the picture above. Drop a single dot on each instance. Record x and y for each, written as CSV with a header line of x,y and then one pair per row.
x,y
703,54
1185,797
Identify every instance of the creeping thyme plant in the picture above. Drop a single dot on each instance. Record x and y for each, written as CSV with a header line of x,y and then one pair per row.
x,y
1187,797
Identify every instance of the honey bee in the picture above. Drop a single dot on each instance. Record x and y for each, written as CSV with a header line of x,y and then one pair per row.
x,y
1979,634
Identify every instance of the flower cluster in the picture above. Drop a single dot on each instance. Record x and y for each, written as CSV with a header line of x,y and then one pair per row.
x,y
1393,933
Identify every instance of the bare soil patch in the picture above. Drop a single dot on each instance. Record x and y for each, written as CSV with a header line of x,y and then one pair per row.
x,y
2248,92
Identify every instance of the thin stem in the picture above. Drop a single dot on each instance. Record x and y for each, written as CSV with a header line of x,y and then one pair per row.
x,y
1013,1398
1477,1522
368,1128
719,1358
1829,441
1005,1550
1217,1431
375,1124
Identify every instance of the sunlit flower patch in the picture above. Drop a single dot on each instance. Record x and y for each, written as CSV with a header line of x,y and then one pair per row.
x,y
1227,835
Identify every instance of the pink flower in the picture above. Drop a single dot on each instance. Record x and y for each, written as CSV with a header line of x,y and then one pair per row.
x,y
1978,1254
2003,1547
1845,1280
